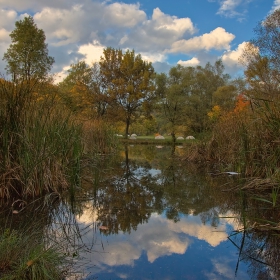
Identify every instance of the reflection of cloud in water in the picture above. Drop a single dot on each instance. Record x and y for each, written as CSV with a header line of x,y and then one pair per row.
x,y
160,237
193,227
223,269
140,172
231,219
119,253
158,240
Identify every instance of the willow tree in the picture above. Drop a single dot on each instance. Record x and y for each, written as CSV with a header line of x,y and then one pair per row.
x,y
27,57
128,79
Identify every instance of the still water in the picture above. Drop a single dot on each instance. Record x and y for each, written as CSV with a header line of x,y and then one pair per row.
x,y
145,214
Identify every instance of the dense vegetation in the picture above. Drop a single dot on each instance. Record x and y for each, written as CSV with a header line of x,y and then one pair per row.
x,y
47,128
49,132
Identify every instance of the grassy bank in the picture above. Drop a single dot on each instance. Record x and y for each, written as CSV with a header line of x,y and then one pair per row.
x,y
22,259
151,140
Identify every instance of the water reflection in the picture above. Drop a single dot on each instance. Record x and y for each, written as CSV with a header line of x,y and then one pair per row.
x,y
145,214
151,208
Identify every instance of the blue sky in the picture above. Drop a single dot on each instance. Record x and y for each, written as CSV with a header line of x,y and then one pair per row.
x,y
165,32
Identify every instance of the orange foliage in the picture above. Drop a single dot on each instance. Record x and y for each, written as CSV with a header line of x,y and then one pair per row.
x,y
241,103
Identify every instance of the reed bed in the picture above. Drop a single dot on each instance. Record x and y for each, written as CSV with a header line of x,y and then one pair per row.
x,y
246,141
42,143
99,137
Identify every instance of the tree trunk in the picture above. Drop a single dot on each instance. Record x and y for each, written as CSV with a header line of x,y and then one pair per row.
x,y
127,127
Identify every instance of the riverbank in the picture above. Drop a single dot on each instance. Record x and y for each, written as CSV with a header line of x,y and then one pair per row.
x,y
150,140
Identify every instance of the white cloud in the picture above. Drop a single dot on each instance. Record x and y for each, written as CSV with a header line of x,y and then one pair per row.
x,y
124,15
228,7
217,39
276,5
231,58
36,5
92,52
172,23
158,33
154,57
4,36
7,19
63,26
72,26
191,62
232,8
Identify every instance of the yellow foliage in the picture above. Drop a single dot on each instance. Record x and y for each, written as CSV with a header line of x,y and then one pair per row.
x,y
215,113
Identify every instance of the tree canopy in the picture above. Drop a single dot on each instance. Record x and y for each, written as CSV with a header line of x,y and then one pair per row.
x,y
262,58
128,79
27,57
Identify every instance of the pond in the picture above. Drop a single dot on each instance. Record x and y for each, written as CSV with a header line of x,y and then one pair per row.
x,y
146,214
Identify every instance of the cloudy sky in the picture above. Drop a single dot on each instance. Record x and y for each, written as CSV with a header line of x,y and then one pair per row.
x,y
165,32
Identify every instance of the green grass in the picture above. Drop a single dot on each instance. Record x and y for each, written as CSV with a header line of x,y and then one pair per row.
x,y
24,257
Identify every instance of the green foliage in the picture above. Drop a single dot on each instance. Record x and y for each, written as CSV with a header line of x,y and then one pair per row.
x,y
224,97
27,56
187,94
21,257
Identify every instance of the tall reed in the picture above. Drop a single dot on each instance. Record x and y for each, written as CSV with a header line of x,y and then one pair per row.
x,y
249,141
40,143
99,137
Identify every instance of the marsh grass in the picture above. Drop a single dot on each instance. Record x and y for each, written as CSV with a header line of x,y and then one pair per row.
x,y
99,137
39,144
248,142
42,143
23,257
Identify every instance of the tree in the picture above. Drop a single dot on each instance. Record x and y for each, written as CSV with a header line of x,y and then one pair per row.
x,y
27,56
173,92
76,87
204,82
224,97
261,58
128,79
83,89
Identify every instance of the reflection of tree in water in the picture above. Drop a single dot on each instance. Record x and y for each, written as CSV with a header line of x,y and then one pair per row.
x,y
125,197
149,179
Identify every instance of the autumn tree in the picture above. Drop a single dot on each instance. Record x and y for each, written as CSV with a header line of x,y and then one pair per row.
x,y
261,58
128,79
82,89
27,57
